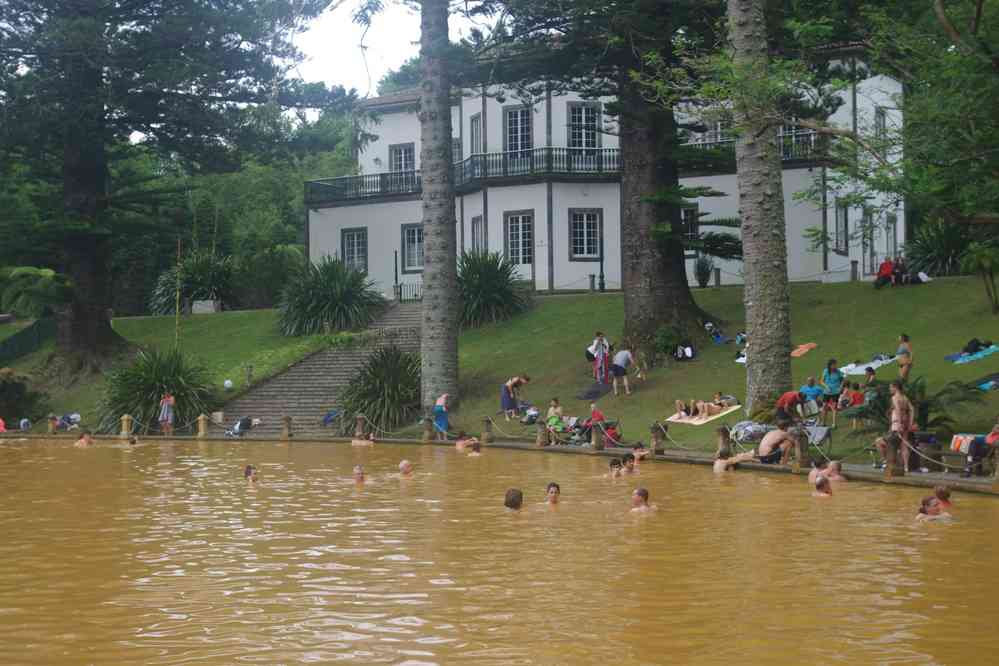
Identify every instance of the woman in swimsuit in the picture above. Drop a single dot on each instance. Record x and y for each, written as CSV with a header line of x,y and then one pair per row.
x,y
901,419
904,356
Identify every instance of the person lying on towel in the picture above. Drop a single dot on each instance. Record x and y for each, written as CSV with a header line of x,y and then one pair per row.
x,y
702,409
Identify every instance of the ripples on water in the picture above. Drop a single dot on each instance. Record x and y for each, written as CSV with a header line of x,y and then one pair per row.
x,y
163,555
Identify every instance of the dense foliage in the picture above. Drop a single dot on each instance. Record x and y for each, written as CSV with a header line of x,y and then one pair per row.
x,y
328,295
204,276
982,259
487,283
386,391
32,292
18,401
936,248
703,268
136,389
933,411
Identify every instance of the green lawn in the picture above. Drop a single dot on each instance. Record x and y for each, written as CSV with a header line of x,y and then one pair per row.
x,y
848,322
225,343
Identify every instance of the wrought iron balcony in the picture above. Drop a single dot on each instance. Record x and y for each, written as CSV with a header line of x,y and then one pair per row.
x,y
517,166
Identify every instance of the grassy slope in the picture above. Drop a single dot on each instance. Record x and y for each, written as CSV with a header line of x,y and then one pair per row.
x,y
848,321
7,330
224,342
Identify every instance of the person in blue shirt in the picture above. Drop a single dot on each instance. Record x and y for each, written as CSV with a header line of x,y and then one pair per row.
x,y
832,383
813,396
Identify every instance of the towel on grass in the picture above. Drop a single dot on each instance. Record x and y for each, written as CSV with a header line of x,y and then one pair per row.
x,y
701,420
594,391
801,350
859,368
961,359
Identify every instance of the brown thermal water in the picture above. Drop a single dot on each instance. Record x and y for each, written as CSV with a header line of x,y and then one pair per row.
x,y
163,555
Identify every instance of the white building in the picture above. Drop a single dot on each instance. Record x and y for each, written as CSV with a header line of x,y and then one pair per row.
x,y
541,184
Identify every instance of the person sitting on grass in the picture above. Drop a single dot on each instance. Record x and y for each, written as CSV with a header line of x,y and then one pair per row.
x,y
870,377
942,493
514,499
775,447
822,487
980,449
886,272
640,501
931,510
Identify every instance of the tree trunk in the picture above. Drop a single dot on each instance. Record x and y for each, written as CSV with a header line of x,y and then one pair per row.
x,y
761,207
439,335
654,271
85,327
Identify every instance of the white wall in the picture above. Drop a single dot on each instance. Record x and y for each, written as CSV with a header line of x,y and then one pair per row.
x,y
390,128
521,197
575,274
382,220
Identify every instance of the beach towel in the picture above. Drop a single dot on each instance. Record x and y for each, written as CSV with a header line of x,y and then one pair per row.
x,y
594,391
701,420
859,367
801,350
961,359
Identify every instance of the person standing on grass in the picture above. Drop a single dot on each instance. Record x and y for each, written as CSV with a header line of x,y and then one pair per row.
x,y
619,368
167,403
904,356
901,417
600,351
832,385
510,395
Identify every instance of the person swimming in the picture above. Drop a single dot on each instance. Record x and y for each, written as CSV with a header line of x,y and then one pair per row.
x,y
724,460
552,493
514,499
86,440
823,488
615,469
250,474
463,441
640,501
628,466
358,474
931,509
942,493
405,469
476,449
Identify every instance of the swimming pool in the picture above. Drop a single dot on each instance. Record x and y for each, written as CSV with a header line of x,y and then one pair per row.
x,y
163,555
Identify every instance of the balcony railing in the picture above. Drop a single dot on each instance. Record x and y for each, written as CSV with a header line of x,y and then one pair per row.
x,y
585,163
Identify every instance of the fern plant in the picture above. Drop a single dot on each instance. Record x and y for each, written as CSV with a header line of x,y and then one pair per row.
x,y
32,292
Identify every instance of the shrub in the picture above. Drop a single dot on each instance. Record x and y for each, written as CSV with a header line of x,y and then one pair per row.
x,y
983,260
487,282
262,276
386,390
32,292
934,411
703,268
204,276
936,248
136,389
329,295
18,401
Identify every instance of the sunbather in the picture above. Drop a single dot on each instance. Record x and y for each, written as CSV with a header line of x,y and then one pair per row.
x,y
703,409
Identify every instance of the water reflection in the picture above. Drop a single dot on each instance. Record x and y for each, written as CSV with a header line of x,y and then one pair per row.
x,y
165,555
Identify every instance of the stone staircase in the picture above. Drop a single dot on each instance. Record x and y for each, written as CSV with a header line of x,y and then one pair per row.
x,y
308,390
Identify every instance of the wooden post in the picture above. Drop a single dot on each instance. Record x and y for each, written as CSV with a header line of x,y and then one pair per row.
x,y
285,428
796,465
487,431
202,426
126,427
890,456
428,430
656,433
359,420
597,438
542,437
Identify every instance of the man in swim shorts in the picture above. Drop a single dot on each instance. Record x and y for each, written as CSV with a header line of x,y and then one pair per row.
x,y
775,447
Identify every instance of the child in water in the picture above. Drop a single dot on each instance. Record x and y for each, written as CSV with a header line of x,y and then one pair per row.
x,y
552,493
250,474
615,469
931,510
476,449
823,488
640,501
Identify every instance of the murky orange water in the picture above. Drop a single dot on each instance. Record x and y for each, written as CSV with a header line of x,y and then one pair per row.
x,y
162,555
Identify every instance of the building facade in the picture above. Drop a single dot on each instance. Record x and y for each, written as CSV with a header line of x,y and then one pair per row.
x,y
541,184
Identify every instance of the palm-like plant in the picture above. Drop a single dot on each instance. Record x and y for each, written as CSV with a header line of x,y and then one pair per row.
x,y
32,292
487,283
983,259
933,410
328,295
204,276
136,389
936,248
386,390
